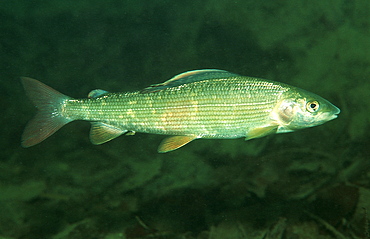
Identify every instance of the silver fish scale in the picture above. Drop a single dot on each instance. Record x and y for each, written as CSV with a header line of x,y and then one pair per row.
x,y
214,108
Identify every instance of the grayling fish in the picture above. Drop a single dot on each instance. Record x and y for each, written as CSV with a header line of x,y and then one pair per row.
x,y
195,104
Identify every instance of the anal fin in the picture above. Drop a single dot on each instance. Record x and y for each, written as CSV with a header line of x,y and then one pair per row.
x,y
262,131
174,142
101,132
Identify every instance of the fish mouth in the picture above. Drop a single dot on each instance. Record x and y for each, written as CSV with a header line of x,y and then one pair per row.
x,y
332,115
336,111
333,112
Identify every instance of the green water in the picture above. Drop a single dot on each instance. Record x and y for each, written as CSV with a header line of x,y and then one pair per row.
x,y
313,183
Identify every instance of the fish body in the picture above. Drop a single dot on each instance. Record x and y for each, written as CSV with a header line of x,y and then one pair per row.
x,y
192,105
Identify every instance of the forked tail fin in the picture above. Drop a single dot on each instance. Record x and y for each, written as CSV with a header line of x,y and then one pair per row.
x,y
48,118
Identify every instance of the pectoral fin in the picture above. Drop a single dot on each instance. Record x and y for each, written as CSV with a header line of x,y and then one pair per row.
x,y
174,142
262,131
101,132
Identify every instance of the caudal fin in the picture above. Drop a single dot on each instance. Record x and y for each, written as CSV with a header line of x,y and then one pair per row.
x,y
48,118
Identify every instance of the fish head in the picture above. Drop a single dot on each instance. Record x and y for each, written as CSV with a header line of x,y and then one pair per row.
x,y
298,109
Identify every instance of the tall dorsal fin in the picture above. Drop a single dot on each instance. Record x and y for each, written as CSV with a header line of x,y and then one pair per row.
x,y
189,77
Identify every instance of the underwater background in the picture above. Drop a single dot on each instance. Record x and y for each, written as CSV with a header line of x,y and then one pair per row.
x,y
313,183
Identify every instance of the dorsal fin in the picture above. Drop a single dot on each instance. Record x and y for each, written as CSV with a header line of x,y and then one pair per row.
x,y
189,77
97,93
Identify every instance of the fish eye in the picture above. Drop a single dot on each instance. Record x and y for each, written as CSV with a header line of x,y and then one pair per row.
x,y
312,106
